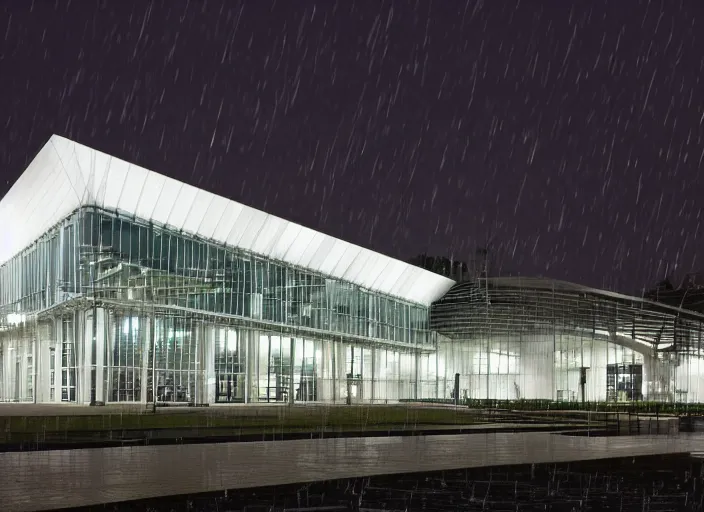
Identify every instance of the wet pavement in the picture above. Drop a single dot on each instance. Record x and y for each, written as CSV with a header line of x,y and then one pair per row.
x,y
70,478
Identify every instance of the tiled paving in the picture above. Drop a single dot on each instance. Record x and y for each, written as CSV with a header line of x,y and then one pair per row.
x,y
53,479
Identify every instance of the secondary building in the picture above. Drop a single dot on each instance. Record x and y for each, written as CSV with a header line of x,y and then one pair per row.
x,y
529,338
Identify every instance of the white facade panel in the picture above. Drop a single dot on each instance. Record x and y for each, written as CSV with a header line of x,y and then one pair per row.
x,y
150,193
213,217
95,168
74,174
269,233
64,149
404,284
12,237
389,278
166,201
329,253
240,226
369,274
358,266
195,220
227,222
59,200
34,209
286,240
182,206
427,286
55,198
295,250
115,183
81,159
254,227
66,175
311,250
129,199
352,252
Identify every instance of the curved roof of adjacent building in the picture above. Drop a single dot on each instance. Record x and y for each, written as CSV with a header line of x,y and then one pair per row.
x,y
511,304
65,176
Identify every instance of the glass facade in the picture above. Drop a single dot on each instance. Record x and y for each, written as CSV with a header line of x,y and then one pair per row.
x,y
127,260
512,340
122,310
108,308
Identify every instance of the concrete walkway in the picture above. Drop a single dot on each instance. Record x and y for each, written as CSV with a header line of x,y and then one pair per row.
x,y
54,479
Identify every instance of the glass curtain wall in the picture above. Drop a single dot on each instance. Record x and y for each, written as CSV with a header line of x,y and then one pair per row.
x,y
175,355
558,342
125,359
255,366
123,259
17,376
68,337
42,275
547,363
332,372
230,365
137,267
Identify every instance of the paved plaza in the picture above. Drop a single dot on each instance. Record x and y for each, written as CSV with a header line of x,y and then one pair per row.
x,y
47,480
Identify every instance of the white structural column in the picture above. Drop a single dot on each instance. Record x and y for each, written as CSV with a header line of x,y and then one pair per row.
x,y
292,359
147,335
90,333
209,362
325,372
340,381
101,337
251,338
84,352
57,328
596,375
45,341
416,375
201,388
7,370
374,378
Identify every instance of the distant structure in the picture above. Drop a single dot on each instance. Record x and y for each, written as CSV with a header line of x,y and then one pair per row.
x,y
457,270
517,338
444,266
689,295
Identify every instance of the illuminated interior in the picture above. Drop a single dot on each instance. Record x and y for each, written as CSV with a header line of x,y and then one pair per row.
x,y
119,285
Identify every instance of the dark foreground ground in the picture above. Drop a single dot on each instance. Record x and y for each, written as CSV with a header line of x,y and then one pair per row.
x,y
27,427
662,483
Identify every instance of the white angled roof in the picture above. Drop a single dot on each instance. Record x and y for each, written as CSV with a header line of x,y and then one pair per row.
x,y
66,175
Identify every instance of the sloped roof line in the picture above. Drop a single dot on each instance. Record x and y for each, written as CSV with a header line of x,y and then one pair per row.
x,y
87,177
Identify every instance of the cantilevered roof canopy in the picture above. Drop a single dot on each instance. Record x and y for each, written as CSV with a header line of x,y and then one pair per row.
x,y
66,175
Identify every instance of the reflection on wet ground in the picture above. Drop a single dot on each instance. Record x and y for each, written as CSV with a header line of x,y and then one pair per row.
x,y
108,475
670,482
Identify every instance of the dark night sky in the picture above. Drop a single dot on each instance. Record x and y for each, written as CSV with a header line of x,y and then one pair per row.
x,y
571,132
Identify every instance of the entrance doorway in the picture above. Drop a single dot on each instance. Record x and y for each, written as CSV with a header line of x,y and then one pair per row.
x,y
230,359
624,382
229,387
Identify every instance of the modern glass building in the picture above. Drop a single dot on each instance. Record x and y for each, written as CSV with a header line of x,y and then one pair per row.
x,y
529,338
118,284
